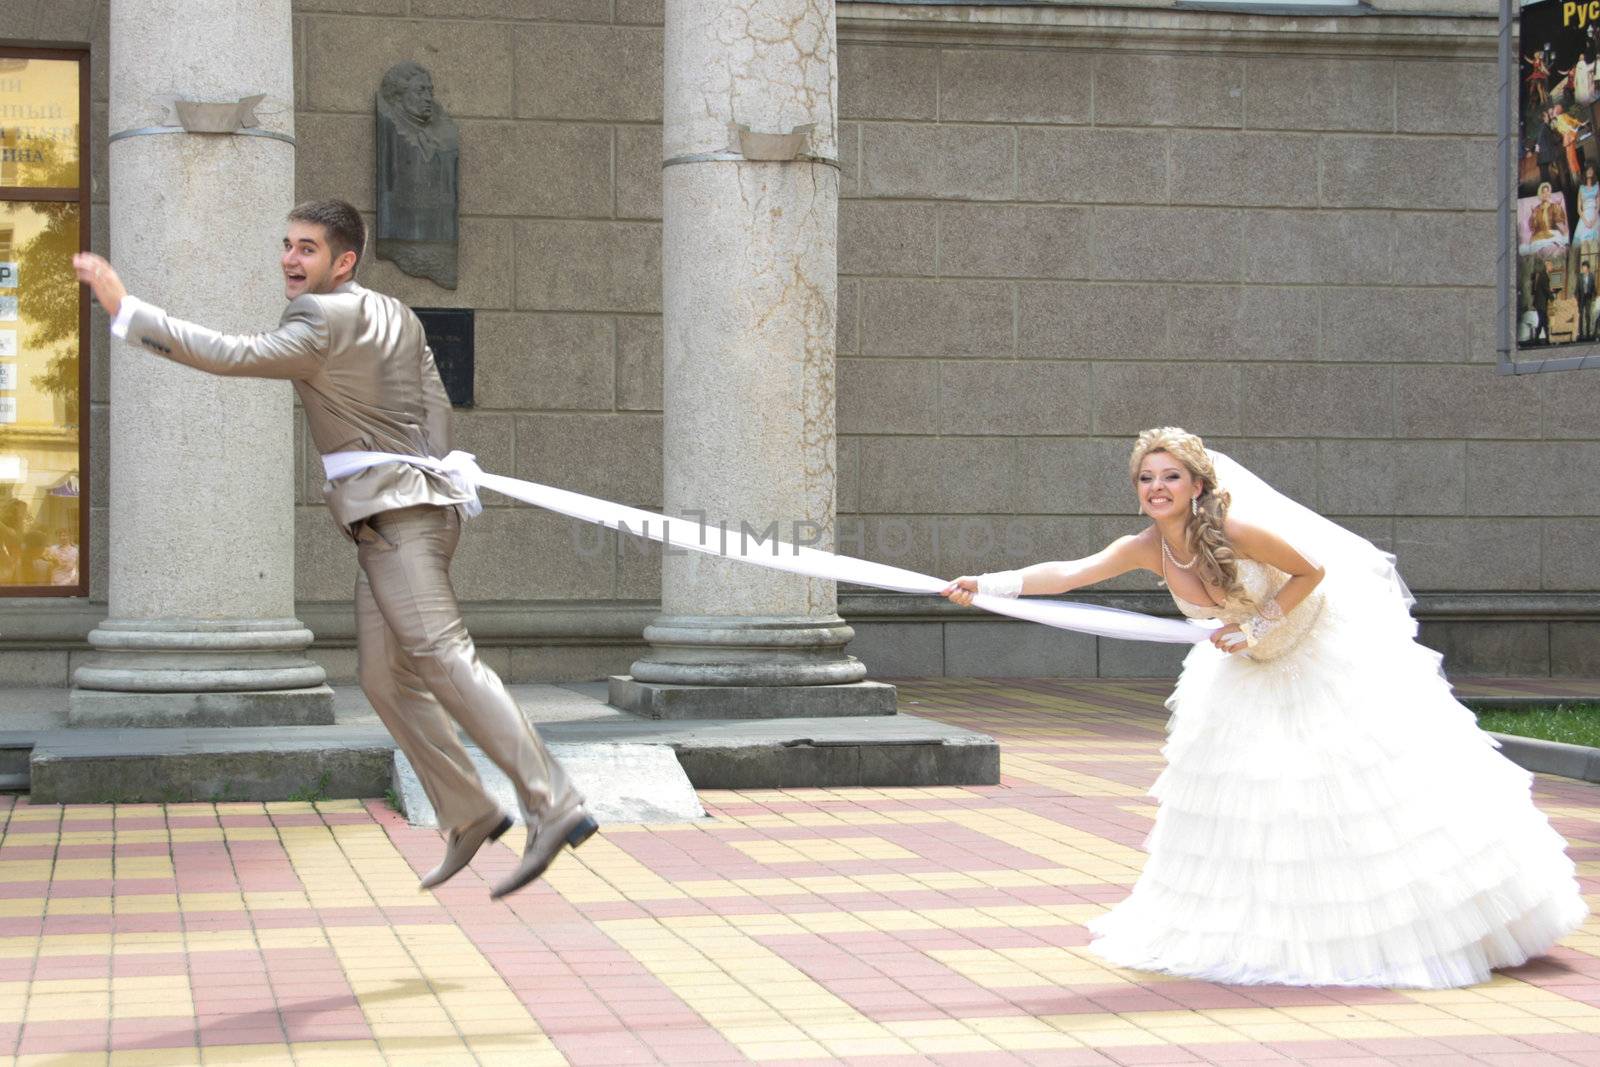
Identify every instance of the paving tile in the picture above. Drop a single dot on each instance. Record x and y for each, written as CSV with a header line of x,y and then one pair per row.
x,y
879,926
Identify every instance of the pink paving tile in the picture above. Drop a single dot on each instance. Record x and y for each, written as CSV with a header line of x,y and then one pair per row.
x,y
57,971
576,1025
1066,1058
1138,1000
1238,1052
1485,1043
1305,1050
146,924
30,852
1152,1054
236,1035
1204,996
1564,1042
598,1049
1283,997
45,1046
226,962
1407,1046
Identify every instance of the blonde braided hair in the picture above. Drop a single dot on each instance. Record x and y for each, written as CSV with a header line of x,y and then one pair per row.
x,y
1205,537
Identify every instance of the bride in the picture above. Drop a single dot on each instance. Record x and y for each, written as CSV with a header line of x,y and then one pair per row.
x,y
1329,814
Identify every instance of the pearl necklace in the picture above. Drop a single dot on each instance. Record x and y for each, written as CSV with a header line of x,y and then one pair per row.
x,y
1165,551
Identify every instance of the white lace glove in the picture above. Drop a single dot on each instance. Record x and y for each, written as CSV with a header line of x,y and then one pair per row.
x,y
1007,584
1259,626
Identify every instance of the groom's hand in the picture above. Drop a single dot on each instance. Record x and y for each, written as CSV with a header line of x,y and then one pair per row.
x,y
102,280
960,591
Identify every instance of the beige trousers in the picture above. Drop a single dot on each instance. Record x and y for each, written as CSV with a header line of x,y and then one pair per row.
x,y
420,669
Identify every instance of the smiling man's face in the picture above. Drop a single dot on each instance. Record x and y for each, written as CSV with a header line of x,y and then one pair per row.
x,y
308,262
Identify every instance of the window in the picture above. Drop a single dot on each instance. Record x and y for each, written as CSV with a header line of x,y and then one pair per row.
x,y
44,370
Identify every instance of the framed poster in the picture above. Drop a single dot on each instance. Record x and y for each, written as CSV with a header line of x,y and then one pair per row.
x,y
1550,186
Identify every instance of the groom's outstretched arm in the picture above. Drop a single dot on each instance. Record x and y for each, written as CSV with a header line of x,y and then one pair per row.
x,y
294,350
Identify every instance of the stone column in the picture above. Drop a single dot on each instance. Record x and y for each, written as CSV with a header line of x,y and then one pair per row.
x,y
200,628
750,205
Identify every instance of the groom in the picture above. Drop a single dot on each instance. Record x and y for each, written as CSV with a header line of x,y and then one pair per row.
x,y
366,378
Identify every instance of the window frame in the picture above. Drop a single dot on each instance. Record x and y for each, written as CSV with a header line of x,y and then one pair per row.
x,y
81,196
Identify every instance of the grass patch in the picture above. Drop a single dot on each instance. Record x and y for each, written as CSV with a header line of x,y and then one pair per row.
x,y
1574,724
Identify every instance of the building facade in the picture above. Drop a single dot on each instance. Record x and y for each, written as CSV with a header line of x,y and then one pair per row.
x,y
1058,224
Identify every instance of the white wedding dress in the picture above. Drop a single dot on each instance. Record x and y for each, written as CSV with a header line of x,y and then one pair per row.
x,y
1330,815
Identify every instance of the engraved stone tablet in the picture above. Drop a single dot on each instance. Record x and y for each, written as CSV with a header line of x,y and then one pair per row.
x,y
419,159
449,333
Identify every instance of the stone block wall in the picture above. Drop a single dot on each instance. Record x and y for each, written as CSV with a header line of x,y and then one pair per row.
x,y
559,110
1055,238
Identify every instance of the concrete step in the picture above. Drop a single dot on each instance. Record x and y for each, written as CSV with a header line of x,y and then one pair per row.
x,y
146,765
620,784
15,752
315,762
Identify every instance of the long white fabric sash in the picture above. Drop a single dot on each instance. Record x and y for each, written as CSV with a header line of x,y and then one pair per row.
x,y
462,469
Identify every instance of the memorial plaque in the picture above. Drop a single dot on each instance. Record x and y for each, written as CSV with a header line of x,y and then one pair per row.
x,y
418,176
449,333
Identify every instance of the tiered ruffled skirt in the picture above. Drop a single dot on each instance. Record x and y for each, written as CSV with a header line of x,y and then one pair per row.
x,y
1335,817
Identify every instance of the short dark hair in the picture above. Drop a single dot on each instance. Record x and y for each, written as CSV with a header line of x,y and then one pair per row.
x,y
340,221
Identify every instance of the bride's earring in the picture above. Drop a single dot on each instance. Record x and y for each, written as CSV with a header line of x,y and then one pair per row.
x,y
1194,505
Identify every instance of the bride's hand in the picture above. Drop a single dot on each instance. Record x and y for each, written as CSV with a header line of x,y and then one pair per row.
x,y
1223,639
960,591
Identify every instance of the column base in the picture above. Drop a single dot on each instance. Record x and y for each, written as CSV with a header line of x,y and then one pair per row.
x,y
748,650
655,700
273,707
200,672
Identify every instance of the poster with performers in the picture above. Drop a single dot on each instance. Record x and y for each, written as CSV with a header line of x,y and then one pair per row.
x,y
1558,173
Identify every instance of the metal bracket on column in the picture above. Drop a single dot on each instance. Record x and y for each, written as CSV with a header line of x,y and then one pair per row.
x,y
747,146
191,116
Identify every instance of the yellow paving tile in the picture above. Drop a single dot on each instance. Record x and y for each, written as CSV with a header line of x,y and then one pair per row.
x,y
336,1054
155,1057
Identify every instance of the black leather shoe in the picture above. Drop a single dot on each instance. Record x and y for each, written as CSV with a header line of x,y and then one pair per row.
x,y
462,845
572,827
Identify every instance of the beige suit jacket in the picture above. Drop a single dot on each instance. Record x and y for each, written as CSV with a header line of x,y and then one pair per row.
x,y
365,376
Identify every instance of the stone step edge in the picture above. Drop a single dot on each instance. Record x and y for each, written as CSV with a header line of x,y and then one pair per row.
x,y
221,764
1551,757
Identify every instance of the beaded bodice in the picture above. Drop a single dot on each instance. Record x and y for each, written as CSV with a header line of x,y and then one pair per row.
x,y
1260,581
